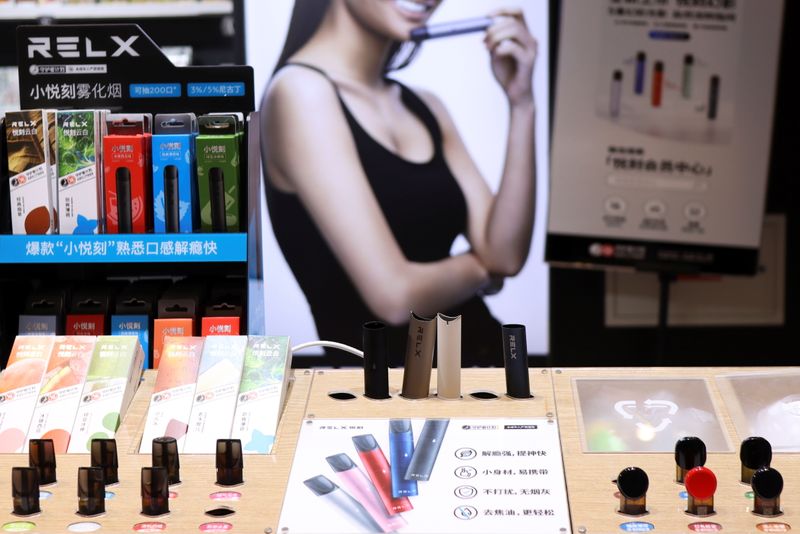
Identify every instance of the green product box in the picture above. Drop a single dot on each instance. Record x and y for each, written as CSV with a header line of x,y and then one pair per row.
x,y
218,149
79,196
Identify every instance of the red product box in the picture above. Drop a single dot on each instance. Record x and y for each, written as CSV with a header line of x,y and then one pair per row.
x,y
220,326
86,324
126,160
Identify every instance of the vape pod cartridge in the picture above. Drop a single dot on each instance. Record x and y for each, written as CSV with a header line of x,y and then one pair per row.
x,y
401,449
427,449
419,357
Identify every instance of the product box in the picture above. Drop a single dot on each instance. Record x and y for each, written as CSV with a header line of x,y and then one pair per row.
x,y
44,313
110,384
218,173
174,185
127,173
220,326
262,391
5,202
173,394
28,147
79,171
134,311
88,312
19,387
50,117
177,311
60,392
162,328
215,395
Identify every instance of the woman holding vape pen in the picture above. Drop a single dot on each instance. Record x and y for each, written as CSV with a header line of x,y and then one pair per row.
x,y
369,182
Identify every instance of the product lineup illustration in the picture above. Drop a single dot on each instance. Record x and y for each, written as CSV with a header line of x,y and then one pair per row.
x,y
76,389
377,499
657,77
91,172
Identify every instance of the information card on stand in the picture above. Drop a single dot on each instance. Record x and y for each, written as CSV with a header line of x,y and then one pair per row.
x,y
427,475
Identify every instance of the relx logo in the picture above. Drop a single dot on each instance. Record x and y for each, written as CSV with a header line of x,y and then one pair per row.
x,y
70,47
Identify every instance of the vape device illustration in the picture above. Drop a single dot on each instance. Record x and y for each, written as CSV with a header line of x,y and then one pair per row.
x,y
124,214
616,94
638,79
419,357
217,186
448,349
172,214
515,356
427,449
446,29
325,489
377,467
401,449
356,483
376,360
658,84
713,97
686,80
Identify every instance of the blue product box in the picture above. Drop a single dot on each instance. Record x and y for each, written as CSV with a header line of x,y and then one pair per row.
x,y
174,184
134,325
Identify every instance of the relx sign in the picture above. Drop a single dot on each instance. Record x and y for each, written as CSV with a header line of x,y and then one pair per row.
x,y
120,68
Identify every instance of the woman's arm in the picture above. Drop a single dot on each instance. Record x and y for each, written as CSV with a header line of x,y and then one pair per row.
x,y
309,150
500,226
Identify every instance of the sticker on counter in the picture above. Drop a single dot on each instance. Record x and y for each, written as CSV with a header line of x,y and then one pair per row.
x,y
216,526
637,526
18,526
84,526
705,526
150,526
44,495
773,527
225,496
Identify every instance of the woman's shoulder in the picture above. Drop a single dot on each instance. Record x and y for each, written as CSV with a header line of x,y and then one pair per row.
x,y
297,86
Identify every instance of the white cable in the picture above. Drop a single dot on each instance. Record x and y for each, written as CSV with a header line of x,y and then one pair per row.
x,y
329,344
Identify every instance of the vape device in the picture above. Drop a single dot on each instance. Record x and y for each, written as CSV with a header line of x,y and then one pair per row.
x,y
379,472
376,365
361,489
448,350
401,449
42,457
616,94
446,29
325,489
230,462
123,177
172,214
104,456
515,357
427,449
25,490
91,491
155,491
686,80
713,97
165,454
419,357
217,191
638,80
658,84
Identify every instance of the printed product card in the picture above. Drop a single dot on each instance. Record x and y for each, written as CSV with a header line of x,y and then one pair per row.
x,y
60,392
261,392
215,396
171,403
110,384
162,328
19,385
78,171
29,172
427,476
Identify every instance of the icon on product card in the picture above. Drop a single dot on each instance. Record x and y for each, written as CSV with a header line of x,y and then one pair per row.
x,y
465,512
466,492
466,472
615,206
655,209
694,211
466,453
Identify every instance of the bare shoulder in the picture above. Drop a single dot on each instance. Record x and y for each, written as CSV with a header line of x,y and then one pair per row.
x,y
299,88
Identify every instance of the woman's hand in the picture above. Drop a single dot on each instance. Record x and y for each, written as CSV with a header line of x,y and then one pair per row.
x,y
513,52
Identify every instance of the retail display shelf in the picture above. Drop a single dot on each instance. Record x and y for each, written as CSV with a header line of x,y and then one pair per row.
x,y
123,248
114,10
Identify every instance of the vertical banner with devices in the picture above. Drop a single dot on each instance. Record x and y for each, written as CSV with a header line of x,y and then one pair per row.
x,y
663,122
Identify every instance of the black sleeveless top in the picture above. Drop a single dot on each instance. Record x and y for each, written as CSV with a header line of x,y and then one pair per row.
x,y
425,209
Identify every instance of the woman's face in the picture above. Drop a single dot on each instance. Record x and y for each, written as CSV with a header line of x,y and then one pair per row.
x,y
392,18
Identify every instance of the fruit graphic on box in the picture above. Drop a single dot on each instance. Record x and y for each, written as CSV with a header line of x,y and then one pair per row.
x,y
19,386
60,392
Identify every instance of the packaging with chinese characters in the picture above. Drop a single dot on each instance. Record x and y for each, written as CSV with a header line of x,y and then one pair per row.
x,y
30,181
174,186
218,169
44,312
88,312
126,173
110,384
215,395
262,392
19,388
79,177
171,402
60,392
